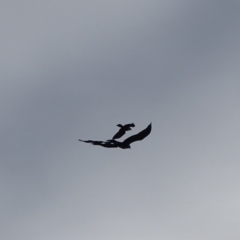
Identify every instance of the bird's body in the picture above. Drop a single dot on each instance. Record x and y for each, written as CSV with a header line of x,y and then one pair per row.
x,y
126,143
123,129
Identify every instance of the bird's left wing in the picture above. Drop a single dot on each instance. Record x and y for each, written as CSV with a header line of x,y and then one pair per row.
x,y
139,136
92,142
100,143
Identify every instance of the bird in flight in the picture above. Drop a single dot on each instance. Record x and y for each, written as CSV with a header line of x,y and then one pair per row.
x,y
123,129
112,143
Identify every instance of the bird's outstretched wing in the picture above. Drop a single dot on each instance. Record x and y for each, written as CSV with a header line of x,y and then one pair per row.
x,y
139,136
100,143
92,142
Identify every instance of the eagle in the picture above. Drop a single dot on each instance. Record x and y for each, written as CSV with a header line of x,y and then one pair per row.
x,y
123,129
112,143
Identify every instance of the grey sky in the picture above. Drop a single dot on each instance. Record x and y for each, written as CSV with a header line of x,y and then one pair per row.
x,y
75,69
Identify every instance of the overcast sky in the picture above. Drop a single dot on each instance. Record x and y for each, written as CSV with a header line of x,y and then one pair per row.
x,y
74,69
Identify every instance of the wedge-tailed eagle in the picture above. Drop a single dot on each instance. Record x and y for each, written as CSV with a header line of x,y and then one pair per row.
x,y
112,143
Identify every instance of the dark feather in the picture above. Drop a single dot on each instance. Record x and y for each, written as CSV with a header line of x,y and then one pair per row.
x,y
139,136
92,142
100,143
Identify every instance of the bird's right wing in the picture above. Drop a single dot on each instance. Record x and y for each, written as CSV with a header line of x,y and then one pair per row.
x,y
139,136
